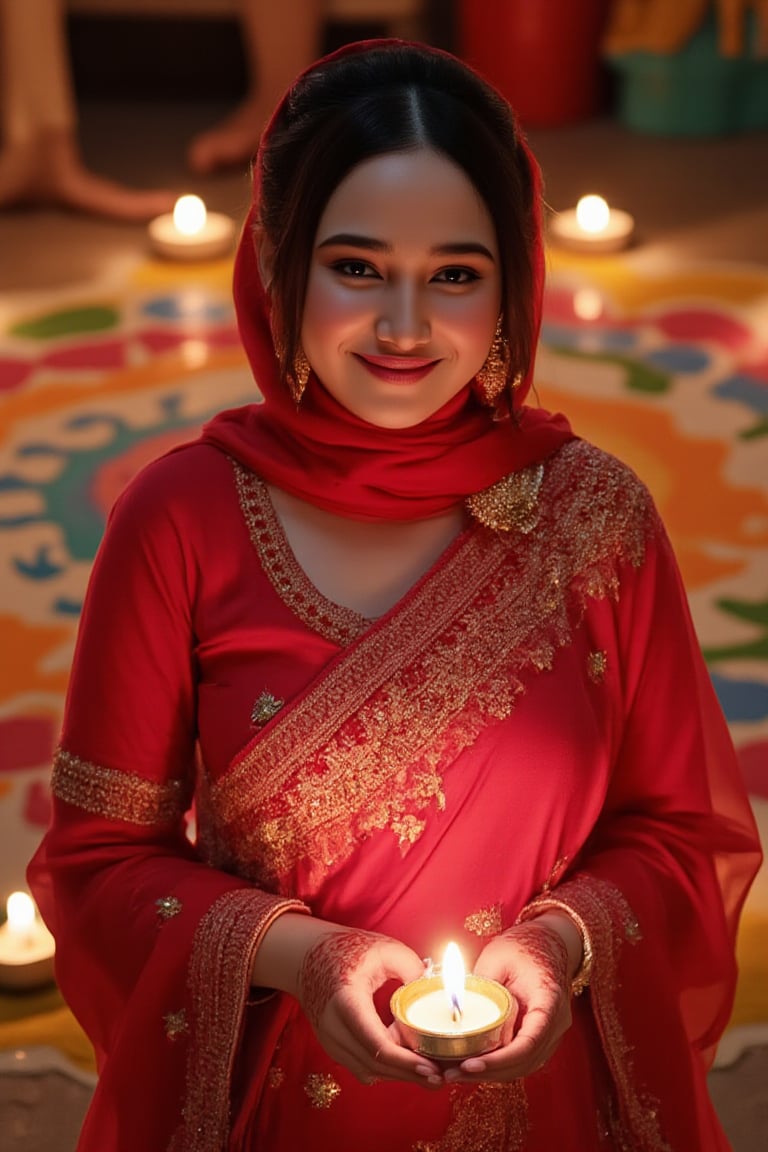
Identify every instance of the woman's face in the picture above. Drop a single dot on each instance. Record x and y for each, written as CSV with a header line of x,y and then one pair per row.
x,y
404,288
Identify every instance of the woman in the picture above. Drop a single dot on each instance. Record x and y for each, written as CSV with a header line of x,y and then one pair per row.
x,y
411,647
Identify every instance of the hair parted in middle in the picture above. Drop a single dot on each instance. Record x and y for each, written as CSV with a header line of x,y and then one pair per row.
x,y
392,98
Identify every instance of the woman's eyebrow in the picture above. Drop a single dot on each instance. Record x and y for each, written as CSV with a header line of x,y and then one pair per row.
x,y
455,248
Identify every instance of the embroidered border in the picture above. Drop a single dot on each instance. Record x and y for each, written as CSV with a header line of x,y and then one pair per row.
x,y
218,978
611,924
293,586
117,795
362,749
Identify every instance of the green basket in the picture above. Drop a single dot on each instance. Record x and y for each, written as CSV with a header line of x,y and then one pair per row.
x,y
696,91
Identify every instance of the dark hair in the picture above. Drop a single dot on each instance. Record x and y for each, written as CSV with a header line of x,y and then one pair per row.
x,y
392,99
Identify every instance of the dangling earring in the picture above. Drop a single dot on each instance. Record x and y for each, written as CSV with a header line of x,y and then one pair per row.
x,y
493,377
299,375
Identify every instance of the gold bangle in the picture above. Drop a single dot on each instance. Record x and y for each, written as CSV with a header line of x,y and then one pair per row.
x,y
581,979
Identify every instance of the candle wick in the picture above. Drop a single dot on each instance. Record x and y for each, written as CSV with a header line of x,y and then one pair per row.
x,y
456,1009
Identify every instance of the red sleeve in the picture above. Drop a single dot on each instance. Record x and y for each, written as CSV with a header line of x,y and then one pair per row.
x,y
148,937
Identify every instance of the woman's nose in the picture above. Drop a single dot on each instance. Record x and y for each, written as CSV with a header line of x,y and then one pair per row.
x,y
403,320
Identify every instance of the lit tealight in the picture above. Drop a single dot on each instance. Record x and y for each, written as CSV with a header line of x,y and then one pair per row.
x,y
592,226
191,232
190,215
26,946
592,214
454,1015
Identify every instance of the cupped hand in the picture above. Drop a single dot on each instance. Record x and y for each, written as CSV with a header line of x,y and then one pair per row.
x,y
340,974
531,961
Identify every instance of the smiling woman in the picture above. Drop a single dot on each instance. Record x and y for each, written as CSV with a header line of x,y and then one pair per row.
x,y
414,653
394,326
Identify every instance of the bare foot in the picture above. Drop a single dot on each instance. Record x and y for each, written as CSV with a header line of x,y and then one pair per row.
x,y
49,171
233,141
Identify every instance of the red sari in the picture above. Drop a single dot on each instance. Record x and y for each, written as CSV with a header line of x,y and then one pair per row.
x,y
534,716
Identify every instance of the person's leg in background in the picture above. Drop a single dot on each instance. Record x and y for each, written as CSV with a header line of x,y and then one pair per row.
x,y
40,161
280,38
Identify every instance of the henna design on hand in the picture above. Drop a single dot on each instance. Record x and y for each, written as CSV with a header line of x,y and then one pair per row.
x,y
546,949
329,966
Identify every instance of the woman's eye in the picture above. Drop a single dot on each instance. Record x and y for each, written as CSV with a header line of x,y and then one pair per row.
x,y
457,276
356,269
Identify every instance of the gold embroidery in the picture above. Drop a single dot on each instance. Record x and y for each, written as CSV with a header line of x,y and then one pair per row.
x,y
276,1077
632,931
117,795
584,973
609,920
168,907
175,1024
556,872
488,1118
511,503
219,979
338,624
363,749
485,922
322,1089
266,708
597,663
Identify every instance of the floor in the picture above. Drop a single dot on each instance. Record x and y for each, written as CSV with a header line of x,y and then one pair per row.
x,y
693,200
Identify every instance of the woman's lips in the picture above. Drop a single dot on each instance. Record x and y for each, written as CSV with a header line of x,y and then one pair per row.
x,y
397,369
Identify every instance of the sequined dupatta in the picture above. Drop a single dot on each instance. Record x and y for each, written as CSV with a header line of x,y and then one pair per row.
x,y
364,748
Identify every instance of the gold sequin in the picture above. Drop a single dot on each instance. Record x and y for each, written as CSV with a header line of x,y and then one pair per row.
x,y
597,663
175,1024
511,503
364,749
322,1089
485,922
168,907
632,931
276,1078
266,708
117,795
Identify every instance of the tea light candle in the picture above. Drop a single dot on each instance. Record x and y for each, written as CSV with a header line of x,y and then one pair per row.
x,y
26,946
452,1016
592,226
191,232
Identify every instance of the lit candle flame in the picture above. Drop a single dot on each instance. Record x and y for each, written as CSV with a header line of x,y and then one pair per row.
x,y
20,909
592,214
189,215
453,980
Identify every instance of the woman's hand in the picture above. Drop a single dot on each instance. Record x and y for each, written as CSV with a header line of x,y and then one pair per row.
x,y
536,962
339,975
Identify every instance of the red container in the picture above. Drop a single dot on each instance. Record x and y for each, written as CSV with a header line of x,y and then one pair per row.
x,y
543,55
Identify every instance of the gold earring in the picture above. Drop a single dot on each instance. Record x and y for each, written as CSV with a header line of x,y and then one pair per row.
x,y
299,375
493,377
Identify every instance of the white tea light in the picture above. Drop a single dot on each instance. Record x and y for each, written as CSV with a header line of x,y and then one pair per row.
x,y
191,232
26,946
452,1016
592,226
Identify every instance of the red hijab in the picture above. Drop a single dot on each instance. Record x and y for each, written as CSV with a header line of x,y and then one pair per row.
x,y
322,453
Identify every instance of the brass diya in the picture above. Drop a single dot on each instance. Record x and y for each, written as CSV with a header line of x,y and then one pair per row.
x,y
457,1040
